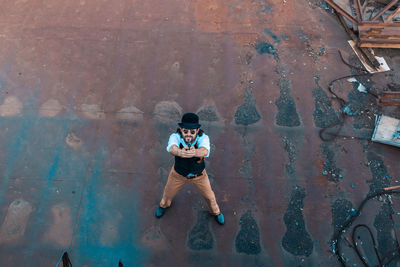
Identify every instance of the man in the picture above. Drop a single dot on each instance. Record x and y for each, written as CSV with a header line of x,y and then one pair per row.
x,y
190,145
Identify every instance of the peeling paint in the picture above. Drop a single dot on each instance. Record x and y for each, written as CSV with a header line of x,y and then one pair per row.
x,y
14,225
11,107
130,113
92,111
50,108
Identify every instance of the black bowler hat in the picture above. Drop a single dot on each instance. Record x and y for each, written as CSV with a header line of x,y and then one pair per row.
x,y
189,121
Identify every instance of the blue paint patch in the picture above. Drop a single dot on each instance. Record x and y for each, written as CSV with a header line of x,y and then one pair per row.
x,y
54,167
15,148
54,139
265,48
274,36
99,206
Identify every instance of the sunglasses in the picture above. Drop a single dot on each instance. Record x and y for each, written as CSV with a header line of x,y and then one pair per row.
x,y
186,131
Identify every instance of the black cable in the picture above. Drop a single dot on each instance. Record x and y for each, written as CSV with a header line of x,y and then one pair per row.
x,y
373,242
350,220
342,116
66,261
348,64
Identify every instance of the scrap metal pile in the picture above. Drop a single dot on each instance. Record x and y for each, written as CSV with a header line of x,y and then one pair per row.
x,y
374,23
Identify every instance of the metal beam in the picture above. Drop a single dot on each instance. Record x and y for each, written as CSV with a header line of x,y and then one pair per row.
x,y
386,8
342,12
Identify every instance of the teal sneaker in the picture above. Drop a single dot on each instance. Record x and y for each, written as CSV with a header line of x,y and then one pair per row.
x,y
160,212
220,219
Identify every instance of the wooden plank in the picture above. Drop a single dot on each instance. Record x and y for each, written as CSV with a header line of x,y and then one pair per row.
x,y
390,99
378,45
363,55
391,94
386,8
379,24
379,40
379,36
342,12
383,31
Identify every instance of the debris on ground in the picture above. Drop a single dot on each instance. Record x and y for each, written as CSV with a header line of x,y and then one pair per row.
x,y
374,22
387,131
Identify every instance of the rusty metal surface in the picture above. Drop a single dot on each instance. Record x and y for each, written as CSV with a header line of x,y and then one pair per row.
x,y
91,90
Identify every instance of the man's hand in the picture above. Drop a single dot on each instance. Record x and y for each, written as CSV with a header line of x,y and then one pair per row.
x,y
187,152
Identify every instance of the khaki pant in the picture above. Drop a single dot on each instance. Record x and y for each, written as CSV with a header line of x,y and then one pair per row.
x,y
176,182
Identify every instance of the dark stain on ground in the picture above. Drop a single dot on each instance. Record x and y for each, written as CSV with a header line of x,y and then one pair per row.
x,y
265,48
208,114
296,240
380,176
363,105
287,113
341,210
308,46
247,113
330,170
290,167
393,87
249,57
246,169
393,112
248,238
384,227
273,35
321,4
324,114
267,6
200,237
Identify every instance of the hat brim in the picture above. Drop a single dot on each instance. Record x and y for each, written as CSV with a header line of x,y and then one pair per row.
x,y
189,125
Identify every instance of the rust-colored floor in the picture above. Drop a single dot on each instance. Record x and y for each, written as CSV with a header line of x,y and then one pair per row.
x,y
91,90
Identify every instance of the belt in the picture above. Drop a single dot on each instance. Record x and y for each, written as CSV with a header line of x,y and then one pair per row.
x,y
194,176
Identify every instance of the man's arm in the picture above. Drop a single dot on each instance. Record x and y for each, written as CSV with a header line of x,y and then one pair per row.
x,y
201,152
190,153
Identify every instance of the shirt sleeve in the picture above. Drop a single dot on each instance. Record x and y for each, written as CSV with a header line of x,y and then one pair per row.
x,y
173,140
204,141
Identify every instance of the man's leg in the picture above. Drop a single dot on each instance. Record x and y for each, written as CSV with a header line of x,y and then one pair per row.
x,y
204,186
174,184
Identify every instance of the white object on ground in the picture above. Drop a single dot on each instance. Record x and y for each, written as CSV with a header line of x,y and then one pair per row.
x,y
360,87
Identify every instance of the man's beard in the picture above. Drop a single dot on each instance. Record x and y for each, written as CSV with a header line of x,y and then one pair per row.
x,y
189,139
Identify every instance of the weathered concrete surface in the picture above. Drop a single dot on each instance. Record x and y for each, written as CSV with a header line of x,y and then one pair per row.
x,y
91,90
